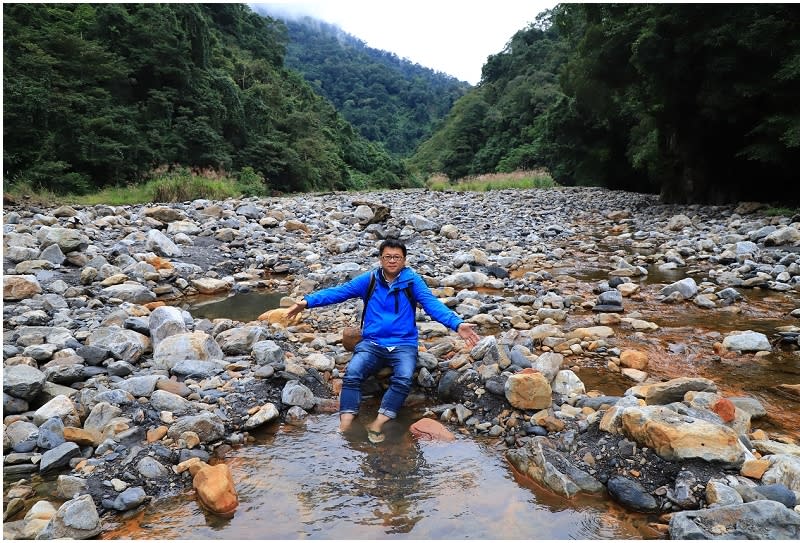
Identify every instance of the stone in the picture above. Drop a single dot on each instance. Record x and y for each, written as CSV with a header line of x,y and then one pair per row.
x,y
677,437
718,493
129,292
672,390
23,381
783,469
725,409
528,389
762,519
198,369
61,407
129,499
238,341
296,393
165,321
75,519
58,457
633,359
755,468
267,352
746,341
51,434
70,486
150,468
215,489
631,494
566,383
548,364
188,346
23,436
209,285
67,239
430,430
208,426
538,460
266,413
20,287
124,344
162,400
160,244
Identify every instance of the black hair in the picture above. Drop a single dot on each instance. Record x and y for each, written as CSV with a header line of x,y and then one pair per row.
x,y
392,243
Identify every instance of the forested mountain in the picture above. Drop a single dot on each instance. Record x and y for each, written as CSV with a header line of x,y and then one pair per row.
x,y
387,99
101,94
697,102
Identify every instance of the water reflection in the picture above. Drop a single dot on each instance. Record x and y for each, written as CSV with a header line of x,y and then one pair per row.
x,y
243,306
314,482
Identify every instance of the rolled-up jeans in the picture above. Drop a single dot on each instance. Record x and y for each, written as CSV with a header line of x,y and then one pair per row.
x,y
368,358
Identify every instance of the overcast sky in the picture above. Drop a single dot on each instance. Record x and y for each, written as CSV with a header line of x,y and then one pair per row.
x,y
450,36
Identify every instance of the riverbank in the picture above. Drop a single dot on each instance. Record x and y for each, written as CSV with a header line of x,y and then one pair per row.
x,y
572,290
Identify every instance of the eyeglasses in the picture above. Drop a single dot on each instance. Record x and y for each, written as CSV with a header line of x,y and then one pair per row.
x,y
392,258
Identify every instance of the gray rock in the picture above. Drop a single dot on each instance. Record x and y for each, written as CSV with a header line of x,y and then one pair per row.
x,y
67,239
53,254
100,415
267,352
51,434
75,519
58,457
12,405
775,492
687,288
746,341
296,393
163,400
141,386
70,486
160,244
207,426
150,468
763,519
631,494
130,292
23,435
123,344
165,321
198,368
23,381
129,499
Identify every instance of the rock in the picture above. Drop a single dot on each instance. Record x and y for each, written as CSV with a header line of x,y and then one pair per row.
x,y
755,468
672,390
150,468
762,519
686,287
207,426
296,393
51,434
122,343
631,494
23,436
783,469
69,486
23,381
267,352
167,401
141,386
165,321
238,341
676,437
161,245
129,292
266,413
786,235
746,341
538,460
750,405
58,457
633,359
67,239
718,493
278,316
198,369
208,285
75,519
61,407
528,389
430,430
129,499
20,287
548,364
566,383
215,489
188,346
775,492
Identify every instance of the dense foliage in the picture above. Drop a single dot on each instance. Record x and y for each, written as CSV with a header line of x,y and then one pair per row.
x,y
103,94
695,101
387,99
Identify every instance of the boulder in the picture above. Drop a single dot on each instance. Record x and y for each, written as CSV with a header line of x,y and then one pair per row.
x,y
528,389
20,287
75,519
186,346
672,390
762,519
677,437
215,489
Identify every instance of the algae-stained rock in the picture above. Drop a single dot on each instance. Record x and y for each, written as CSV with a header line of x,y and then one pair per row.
x,y
678,437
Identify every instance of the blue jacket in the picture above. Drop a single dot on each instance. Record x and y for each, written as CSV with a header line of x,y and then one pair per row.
x,y
389,320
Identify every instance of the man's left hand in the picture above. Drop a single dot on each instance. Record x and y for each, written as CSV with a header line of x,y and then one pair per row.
x,y
467,333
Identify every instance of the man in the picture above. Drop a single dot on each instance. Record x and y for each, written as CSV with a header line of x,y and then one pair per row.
x,y
389,332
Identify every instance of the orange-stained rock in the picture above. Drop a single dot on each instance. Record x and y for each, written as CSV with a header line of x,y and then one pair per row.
x,y
153,305
633,359
171,385
278,316
193,465
528,389
156,434
431,430
725,409
215,489
159,263
82,437
755,469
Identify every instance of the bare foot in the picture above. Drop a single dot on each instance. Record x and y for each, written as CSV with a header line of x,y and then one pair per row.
x,y
346,421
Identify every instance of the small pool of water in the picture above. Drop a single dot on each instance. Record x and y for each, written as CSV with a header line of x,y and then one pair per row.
x,y
240,306
313,482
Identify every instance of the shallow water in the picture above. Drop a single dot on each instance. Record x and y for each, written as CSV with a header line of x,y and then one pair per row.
x,y
243,306
313,482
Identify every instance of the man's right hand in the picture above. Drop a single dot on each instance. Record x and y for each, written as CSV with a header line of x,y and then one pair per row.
x,y
296,308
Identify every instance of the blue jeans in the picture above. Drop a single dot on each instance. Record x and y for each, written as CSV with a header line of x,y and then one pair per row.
x,y
367,359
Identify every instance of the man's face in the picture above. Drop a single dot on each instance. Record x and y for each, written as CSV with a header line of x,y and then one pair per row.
x,y
392,260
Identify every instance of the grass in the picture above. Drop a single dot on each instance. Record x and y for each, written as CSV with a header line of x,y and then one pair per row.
x,y
522,179
782,211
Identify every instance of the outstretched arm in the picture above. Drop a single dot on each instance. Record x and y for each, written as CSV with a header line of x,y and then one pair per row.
x,y
296,308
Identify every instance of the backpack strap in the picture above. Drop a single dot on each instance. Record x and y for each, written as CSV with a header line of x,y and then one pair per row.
x,y
367,296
